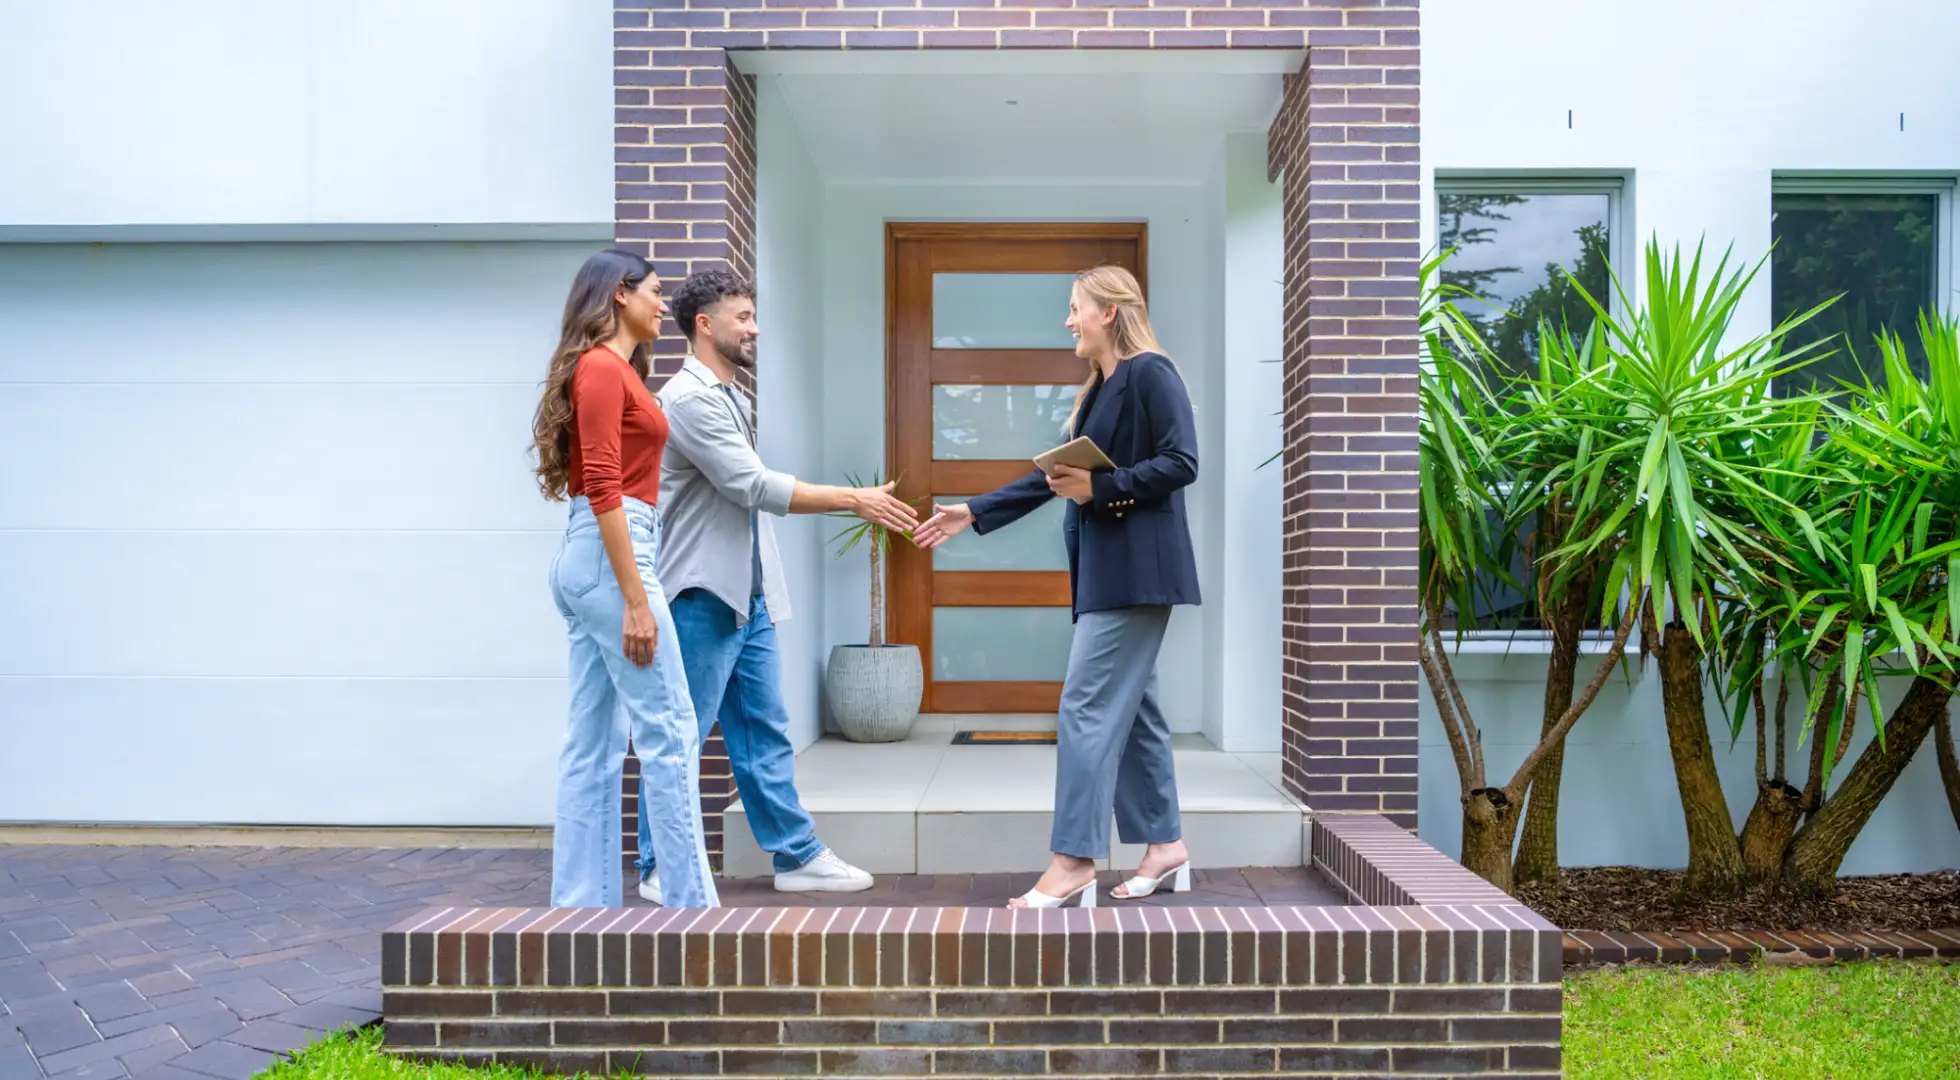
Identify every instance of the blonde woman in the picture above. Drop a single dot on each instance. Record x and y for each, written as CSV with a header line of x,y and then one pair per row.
x,y
1130,561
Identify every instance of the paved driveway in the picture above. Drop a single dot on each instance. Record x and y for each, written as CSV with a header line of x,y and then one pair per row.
x,y
194,963
178,963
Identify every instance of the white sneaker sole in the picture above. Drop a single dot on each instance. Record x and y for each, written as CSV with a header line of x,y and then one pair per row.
x,y
650,890
791,884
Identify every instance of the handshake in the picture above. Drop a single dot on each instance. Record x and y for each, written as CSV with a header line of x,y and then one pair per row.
x,y
1069,469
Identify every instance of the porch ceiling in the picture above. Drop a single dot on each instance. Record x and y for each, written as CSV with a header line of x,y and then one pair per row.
x,y
1007,117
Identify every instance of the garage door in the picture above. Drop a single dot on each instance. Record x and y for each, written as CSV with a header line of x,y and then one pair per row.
x,y
270,550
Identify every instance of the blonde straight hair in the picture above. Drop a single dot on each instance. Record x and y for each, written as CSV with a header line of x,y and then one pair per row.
x,y
1114,287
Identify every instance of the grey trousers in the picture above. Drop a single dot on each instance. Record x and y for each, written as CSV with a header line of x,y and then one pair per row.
x,y
1113,744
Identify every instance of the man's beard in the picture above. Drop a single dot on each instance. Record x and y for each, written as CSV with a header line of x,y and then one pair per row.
x,y
737,351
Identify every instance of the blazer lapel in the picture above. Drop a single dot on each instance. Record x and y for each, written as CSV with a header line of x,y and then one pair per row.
x,y
1100,425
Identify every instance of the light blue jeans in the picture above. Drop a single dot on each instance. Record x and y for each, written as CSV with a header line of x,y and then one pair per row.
x,y
612,699
735,674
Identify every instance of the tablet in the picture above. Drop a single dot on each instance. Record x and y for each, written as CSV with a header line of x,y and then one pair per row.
x,y
1082,453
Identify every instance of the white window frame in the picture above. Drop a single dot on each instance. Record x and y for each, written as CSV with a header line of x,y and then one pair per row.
x,y
1619,225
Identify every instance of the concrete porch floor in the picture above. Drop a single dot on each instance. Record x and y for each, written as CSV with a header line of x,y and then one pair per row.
x,y
925,806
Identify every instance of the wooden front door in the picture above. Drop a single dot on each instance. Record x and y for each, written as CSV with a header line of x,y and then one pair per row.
x,y
981,376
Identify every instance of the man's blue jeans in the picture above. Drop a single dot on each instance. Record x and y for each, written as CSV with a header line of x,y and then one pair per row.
x,y
734,675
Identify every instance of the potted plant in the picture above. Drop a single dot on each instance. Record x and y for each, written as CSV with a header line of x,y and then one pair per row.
x,y
873,690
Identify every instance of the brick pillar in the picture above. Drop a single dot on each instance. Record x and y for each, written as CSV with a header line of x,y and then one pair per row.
x,y
684,196
1345,145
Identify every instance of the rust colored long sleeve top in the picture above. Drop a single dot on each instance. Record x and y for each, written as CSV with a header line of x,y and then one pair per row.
x,y
621,433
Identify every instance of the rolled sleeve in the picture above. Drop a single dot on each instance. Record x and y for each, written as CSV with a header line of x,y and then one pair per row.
x,y
777,490
702,426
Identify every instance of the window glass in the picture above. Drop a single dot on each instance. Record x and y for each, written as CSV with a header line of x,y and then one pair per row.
x,y
1512,253
1877,254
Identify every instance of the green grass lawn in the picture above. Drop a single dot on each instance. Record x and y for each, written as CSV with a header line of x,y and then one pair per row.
x,y
1866,1021
1872,1021
357,1056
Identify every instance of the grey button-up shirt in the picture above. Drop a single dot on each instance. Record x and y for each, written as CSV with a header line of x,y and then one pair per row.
x,y
711,482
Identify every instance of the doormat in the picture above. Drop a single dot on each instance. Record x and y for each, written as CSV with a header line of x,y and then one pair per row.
x,y
1004,738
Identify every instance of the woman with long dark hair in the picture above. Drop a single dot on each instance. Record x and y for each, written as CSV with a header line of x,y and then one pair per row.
x,y
598,436
1130,560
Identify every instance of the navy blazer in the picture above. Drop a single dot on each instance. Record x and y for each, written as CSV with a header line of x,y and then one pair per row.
x,y
1130,545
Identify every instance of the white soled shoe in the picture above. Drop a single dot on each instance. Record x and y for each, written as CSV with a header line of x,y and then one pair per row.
x,y
650,887
825,873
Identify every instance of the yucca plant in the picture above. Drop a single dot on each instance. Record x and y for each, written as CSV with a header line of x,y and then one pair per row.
x,y
877,540
1463,551
1672,477
1872,586
1543,454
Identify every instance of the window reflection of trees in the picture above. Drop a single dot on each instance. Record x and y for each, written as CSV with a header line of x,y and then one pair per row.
x,y
1878,251
1502,247
1512,258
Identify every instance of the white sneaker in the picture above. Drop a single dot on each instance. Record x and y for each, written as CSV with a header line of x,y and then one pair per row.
x,y
650,887
825,873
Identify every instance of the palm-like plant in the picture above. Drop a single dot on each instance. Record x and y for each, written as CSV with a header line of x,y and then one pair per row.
x,y
1673,479
1872,586
877,540
1542,451
1462,476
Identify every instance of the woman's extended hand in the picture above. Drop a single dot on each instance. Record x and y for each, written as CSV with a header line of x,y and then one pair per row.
x,y
642,634
945,523
1070,482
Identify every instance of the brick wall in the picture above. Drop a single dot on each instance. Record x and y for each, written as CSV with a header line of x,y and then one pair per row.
x,y
1345,144
1469,986
1346,147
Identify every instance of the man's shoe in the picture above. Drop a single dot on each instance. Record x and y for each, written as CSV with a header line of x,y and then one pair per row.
x,y
825,873
650,887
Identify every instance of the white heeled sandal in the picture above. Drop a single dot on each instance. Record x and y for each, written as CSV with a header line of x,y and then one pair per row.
x,y
1084,895
1139,887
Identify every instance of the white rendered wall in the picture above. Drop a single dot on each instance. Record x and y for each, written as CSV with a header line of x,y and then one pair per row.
x,y
1704,106
1244,287
143,118
271,550
790,376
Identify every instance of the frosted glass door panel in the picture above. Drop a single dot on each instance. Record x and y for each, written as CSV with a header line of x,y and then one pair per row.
x,y
1032,543
1000,644
1001,311
998,423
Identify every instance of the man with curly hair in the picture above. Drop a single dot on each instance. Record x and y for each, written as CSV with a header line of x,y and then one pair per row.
x,y
718,561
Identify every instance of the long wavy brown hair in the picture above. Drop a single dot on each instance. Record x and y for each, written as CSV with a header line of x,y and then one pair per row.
x,y
591,318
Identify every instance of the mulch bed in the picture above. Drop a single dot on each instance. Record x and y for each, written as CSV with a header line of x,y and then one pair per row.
x,y
1621,898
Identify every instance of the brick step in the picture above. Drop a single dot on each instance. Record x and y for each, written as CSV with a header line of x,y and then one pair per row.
x,y
1583,947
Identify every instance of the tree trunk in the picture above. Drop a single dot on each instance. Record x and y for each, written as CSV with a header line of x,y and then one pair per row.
x,y
1813,790
1943,743
1489,826
1949,765
1779,805
1714,853
877,593
1537,860
1766,835
1820,846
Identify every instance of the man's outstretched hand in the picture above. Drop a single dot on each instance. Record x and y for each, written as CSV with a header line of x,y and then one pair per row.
x,y
880,507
